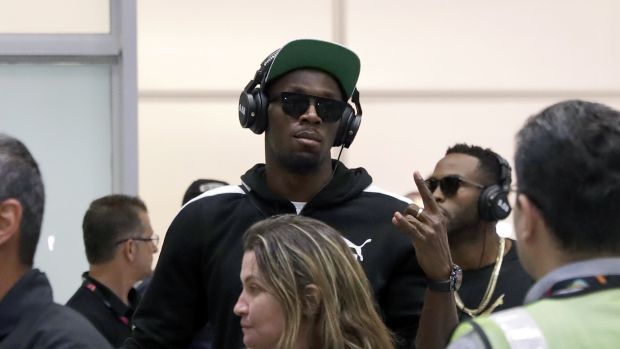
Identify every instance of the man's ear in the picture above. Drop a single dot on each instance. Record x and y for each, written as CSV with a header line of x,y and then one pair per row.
x,y
312,300
128,250
132,250
529,220
10,219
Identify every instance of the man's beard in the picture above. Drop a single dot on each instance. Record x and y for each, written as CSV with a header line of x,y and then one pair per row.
x,y
302,164
459,228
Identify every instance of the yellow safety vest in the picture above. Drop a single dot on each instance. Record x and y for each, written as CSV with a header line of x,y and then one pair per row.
x,y
591,320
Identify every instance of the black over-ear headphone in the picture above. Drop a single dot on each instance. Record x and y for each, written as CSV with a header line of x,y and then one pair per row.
x,y
253,105
493,203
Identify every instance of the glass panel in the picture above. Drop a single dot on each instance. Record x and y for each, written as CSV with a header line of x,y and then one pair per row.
x,y
54,17
62,113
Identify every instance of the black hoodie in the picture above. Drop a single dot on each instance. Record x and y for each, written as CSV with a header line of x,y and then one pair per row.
x,y
197,276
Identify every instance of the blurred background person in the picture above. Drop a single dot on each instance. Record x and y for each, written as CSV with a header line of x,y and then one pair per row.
x,y
200,186
119,244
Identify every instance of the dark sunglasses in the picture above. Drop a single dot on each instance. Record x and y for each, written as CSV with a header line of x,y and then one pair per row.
x,y
449,184
296,104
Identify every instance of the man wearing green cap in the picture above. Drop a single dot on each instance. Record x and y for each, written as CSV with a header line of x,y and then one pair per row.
x,y
299,99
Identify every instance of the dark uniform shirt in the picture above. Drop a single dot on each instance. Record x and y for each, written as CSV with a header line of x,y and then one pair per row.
x,y
29,319
104,309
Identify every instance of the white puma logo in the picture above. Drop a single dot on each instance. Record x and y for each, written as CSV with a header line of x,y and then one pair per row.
x,y
358,249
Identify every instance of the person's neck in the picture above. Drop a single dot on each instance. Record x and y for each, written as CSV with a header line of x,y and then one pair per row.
x,y
113,278
295,186
10,272
477,247
552,258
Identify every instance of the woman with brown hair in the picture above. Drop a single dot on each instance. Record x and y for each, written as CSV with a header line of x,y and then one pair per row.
x,y
302,288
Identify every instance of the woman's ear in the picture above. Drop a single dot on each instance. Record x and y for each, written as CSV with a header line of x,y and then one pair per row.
x,y
312,300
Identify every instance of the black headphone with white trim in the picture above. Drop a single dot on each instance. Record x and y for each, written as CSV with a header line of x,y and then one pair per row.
x,y
493,202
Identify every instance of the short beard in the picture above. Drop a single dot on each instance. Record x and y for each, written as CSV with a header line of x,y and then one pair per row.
x,y
462,231
300,164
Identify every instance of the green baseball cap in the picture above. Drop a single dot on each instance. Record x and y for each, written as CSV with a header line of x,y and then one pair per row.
x,y
340,62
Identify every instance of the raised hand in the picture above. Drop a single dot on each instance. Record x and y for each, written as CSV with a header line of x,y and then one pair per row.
x,y
427,227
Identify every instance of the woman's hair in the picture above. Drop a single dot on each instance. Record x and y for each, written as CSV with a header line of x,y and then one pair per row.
x,y
293,252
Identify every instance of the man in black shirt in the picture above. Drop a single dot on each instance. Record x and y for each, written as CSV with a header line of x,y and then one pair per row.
x,y
119,244
29,318
469,189
299,100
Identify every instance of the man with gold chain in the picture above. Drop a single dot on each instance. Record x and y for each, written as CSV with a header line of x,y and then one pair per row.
x,y
465,196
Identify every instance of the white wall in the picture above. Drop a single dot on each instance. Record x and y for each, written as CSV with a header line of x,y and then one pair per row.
x,y
57,16
433,73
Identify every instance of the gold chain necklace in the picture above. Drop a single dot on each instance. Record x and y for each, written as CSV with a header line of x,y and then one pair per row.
x,y
473,312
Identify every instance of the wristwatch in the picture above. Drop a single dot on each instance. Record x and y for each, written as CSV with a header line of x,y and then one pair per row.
x,y
452,284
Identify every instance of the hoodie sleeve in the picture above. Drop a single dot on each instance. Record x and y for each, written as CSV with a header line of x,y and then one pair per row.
x,y
402,300
173,307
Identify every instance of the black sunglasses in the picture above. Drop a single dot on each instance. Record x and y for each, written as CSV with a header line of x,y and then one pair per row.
x,y
449,184
296,104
